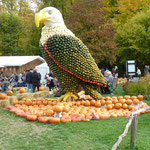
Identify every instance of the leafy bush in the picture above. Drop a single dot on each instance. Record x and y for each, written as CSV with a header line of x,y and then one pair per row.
x,y
136,88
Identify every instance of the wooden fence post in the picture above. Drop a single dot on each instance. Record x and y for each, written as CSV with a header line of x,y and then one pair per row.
x,y
133,131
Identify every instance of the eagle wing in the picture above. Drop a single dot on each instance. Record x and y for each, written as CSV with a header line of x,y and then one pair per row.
x,y
71,55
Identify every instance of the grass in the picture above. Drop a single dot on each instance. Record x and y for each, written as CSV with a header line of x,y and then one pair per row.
x,y
18,134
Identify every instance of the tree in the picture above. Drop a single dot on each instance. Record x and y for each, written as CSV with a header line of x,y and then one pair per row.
x,y
9,5
11,30
88,23
134,39
122,10
63,5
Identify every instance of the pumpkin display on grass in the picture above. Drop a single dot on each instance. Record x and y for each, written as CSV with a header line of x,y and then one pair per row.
x,y
75,111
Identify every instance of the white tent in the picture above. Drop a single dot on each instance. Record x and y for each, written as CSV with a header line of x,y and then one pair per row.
x,y
1,66
18,60
43,69
18,64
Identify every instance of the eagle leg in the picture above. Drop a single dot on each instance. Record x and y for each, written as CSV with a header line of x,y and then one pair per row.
x,y
68,95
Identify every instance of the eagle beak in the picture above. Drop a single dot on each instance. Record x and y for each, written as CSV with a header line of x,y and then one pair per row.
x,y
41,17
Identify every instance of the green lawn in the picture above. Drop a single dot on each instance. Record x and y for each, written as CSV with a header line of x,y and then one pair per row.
x,y
18,134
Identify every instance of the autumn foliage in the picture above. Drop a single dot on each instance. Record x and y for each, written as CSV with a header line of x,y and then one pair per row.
x,y
87,21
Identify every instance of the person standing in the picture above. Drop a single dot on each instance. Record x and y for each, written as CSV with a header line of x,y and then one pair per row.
x,y
113,72
39,76
35,80
138,72
116,72
29,78
146,70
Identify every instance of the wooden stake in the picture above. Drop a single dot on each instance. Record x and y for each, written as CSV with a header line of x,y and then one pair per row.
x,y
133,131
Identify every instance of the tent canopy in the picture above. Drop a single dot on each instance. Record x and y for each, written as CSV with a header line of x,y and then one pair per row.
x,y
18,60
1,66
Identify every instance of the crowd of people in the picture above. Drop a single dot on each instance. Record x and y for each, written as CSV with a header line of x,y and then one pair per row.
x,y
31,78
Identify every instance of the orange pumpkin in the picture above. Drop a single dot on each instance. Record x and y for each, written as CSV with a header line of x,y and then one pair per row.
x,y
66,109
31,117
133,97
140,97
131,107
127,97
120,97
76,117
92,102
54,120
38,102
87,103
107,98
28,102
102,102
43,119
78,103
124,106
58,108
128,101
22,90
97,104
49,112
9,93
2,96
135,101
41,88
45,102
108,102
82,102
114,101
21,102
122,101
65,119
33,103
15,102
109,106
118,105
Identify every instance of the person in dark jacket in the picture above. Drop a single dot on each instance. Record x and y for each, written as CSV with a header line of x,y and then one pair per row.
x,y
35,80
29,78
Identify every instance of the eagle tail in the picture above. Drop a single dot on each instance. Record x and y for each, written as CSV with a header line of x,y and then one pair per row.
x,y
90,90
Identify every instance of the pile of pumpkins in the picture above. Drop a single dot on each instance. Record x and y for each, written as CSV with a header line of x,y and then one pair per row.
x,y
49,110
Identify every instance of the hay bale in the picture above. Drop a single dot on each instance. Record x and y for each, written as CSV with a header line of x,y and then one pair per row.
x,y
45,93
24,95
12,99
46,88
16,89
41,94
4,103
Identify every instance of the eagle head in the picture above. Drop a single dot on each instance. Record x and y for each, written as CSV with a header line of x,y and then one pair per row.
x,y
50,16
